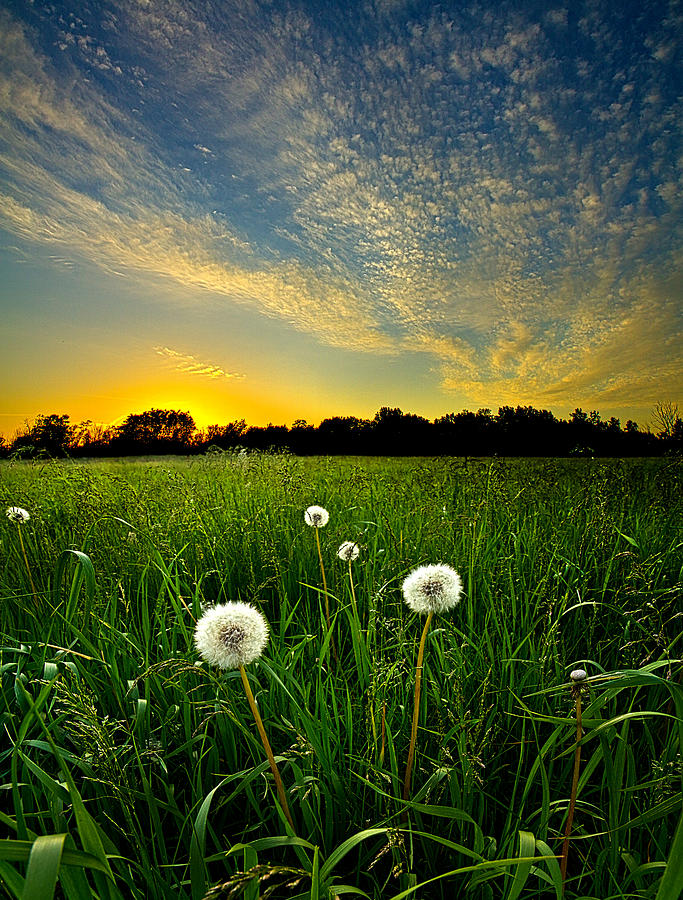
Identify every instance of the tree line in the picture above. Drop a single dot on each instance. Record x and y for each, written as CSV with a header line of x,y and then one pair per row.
x,y
513,431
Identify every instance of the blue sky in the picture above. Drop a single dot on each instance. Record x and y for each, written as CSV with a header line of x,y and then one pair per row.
x,y
281,210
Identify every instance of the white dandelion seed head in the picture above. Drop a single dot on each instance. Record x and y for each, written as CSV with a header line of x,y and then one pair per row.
x,y
348,551
316,516
434,588
578,675
17,514
231,635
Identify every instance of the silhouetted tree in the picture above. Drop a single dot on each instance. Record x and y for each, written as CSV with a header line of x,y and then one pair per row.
x,y
466,433
677,434
514,431
223,436
270,437
396,433
343,434
527,431
301,437
48,436
581,433
157,430
665,416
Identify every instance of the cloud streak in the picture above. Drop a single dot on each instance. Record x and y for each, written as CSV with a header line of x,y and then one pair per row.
x,y
191,365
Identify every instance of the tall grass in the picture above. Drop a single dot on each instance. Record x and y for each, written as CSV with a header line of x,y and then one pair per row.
x,y
132,770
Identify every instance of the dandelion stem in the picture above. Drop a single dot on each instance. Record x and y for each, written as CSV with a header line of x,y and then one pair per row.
x,y
416,710
575,782
322,572
356,616
266,746
353,596
28,567
327,599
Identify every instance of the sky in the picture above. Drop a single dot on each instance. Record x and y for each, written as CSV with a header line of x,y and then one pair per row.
x,y
274,210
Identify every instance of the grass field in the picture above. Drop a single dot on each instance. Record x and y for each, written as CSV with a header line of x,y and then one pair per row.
x,y
131,769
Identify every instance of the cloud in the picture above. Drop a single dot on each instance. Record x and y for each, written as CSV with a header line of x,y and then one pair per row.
x,y
461,187
78,177
190,365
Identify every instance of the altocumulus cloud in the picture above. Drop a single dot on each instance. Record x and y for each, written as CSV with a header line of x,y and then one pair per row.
x,y
496,189
190,365
130,208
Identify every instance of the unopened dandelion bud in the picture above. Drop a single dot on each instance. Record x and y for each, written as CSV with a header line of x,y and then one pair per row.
x,y
348,551
316,516
231,635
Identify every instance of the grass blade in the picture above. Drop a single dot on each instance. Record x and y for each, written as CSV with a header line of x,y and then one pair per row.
x,y
671,885
43,867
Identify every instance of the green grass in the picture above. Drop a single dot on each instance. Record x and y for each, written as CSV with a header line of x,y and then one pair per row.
x,y
131,770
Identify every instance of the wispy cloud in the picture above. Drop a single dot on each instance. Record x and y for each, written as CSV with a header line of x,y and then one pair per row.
x,y
191,365
79,177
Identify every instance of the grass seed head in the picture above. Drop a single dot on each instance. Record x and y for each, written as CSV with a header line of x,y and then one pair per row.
x,y
316,516
433,588
348,551
231,635
18,515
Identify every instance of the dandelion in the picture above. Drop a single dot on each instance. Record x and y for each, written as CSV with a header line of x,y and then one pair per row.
x,y
428,589
230,636
20,516
317,517
577,677
348,551
432,589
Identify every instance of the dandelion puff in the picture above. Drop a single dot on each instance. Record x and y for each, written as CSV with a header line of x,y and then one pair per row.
x,y
577,676
18,515
432,589
231,635
428,589
348,551
316,516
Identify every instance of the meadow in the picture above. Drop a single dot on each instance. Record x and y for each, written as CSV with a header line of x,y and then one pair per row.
x,y
133,769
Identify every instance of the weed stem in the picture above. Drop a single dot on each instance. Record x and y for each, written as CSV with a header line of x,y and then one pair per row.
x,y
416,710
327,599
267,748
575,783
28,567
353,596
